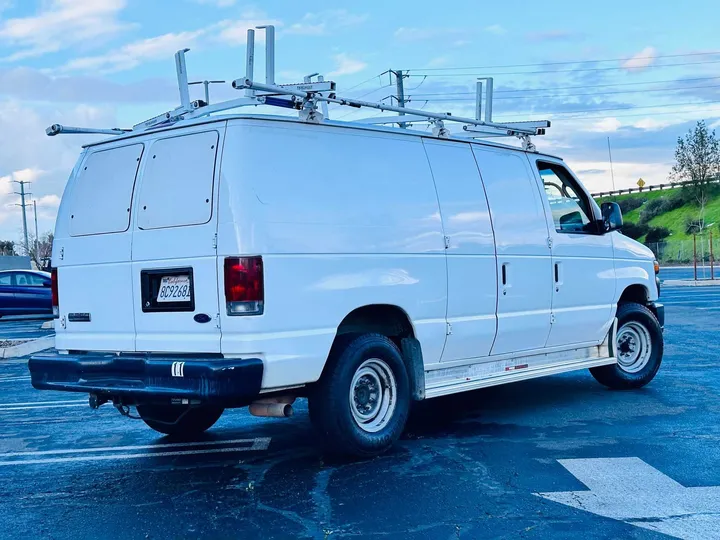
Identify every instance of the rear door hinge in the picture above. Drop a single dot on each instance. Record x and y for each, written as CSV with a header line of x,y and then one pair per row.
x,y
550,242
217,321
552,318
448,329
447,242
215,241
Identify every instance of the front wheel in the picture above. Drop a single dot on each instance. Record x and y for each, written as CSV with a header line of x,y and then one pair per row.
x,y
361,402
638,348
178,420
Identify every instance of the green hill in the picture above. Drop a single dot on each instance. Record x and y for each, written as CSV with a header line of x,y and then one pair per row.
x,y
671,213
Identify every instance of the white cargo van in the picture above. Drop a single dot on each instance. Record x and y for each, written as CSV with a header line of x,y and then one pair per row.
x,y
225,261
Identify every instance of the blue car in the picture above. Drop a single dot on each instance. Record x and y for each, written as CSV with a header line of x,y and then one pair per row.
x,y
25,292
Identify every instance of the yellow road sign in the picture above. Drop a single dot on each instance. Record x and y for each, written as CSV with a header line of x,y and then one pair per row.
x,y
641,183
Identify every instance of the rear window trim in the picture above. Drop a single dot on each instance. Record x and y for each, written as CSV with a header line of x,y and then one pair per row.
x,y
82,166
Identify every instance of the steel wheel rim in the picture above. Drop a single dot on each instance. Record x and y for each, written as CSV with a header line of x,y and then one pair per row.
x,y
634,347
373,395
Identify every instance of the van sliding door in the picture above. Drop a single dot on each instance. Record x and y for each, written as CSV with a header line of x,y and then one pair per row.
x,y
524,266
471,263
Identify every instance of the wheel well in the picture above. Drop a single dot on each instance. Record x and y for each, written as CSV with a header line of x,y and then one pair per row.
x,y
393,322
390,321
634,293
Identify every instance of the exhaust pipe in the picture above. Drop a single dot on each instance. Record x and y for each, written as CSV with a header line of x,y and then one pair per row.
x,y
274,407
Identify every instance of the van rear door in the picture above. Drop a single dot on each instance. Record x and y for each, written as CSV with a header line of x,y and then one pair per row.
x,y
174,254
92,251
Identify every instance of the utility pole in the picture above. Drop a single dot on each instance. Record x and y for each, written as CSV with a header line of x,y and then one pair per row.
x,y
37,239
400,96
23,204
612,173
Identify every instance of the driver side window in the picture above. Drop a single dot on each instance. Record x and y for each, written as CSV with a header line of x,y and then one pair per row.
x,y
570,210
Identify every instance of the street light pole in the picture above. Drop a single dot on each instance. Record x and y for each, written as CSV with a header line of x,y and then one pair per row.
x,y
37,238
612,173
24,214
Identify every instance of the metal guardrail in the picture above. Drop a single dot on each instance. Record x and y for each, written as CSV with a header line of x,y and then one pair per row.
x,y
655,187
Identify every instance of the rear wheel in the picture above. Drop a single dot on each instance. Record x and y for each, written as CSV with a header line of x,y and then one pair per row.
x,y
638,348
178,420
361,403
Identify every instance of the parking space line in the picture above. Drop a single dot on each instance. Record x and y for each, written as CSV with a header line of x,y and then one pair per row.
x,y
258,444
48,403
61,406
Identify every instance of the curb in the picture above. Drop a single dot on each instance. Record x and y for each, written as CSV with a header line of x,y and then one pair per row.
x,y
690,283
30,347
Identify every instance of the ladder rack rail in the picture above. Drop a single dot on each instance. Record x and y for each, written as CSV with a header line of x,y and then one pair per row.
x,y
311,98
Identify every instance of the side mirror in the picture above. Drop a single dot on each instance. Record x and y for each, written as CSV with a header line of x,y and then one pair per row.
x,y
612,216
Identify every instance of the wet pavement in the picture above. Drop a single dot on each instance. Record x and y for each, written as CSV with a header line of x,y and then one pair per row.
x,y
24,327
469,466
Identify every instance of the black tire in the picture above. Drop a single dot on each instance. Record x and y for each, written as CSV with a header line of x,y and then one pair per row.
x,y
616,376
178,420
329,401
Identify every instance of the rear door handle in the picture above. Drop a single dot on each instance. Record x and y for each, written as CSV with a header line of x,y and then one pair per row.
x,y
504,274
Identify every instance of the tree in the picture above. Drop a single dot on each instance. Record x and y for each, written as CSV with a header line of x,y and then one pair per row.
x,y
697,158
7,247
41,256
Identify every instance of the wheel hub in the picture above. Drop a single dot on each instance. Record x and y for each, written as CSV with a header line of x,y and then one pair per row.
x,y
373,395
633,346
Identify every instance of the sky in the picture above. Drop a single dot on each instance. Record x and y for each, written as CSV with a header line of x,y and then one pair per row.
x,y
637,73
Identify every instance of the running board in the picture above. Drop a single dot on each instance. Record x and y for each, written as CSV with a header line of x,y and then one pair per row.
x,y
464,384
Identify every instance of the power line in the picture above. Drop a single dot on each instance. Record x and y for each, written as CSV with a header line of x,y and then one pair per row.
x,y
643,90
569,62
366,81
617,108
617,68
571,118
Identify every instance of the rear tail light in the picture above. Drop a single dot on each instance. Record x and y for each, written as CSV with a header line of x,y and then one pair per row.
x,y
244,293
54,289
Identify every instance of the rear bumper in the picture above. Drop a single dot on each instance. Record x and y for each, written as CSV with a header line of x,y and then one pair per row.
x,y
149,378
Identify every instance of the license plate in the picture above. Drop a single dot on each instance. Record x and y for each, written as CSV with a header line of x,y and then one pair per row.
x,y
174,289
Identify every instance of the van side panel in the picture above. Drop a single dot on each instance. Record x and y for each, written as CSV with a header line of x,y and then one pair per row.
x,y
342,219
523,253
472,280
93,257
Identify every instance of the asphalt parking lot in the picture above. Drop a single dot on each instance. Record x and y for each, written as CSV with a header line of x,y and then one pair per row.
x,y
23,327
558,457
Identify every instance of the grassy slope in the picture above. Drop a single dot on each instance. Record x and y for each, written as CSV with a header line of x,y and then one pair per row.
x,y
674,220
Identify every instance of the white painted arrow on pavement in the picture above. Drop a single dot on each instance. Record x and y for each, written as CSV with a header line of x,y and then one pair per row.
x,y
630,490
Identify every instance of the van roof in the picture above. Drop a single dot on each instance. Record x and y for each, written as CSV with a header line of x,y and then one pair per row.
x,y
330,123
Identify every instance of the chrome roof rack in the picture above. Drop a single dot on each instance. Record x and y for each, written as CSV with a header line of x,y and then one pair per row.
x,y
311,98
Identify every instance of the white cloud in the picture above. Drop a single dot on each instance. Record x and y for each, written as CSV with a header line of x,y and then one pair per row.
x,y
26,153
653,124
606,125
135,53
234,31
641,60
61,24
438,62
346,65
626,174
318,24
496,29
